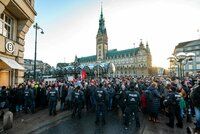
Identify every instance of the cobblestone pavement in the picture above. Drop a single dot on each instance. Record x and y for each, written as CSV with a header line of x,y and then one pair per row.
x,y
113,126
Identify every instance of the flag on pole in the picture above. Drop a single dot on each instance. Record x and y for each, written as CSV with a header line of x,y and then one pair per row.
x,y
83,74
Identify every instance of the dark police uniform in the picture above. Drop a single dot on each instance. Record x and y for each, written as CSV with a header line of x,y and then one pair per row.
x,y
27,99
53,97
77,100
100,96
2,98
132,103
122,97
172,102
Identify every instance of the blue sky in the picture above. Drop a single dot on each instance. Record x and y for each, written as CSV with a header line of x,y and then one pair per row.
x,y
49,10
71,26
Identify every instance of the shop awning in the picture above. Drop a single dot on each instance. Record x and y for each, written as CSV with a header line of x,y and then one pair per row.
x,y
12,63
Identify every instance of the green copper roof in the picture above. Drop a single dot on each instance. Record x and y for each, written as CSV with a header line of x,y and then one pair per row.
x,y
87,59
111,54
126,52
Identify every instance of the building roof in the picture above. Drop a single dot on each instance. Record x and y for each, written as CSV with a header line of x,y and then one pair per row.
x,y
126,52
87,59
193,42
110,53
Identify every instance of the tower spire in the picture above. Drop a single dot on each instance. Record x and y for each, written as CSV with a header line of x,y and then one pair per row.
x,y
102,29
141,43
147,47
101,9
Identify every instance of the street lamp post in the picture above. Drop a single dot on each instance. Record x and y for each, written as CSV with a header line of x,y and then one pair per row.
x,y
35,56
179,58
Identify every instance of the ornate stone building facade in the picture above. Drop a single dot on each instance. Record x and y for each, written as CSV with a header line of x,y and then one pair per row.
x,y
133,61
189,67
16,17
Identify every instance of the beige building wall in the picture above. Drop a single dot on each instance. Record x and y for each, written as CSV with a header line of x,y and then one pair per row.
x,y
22,14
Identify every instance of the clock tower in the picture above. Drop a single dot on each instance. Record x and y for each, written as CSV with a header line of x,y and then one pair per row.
x,y
101,39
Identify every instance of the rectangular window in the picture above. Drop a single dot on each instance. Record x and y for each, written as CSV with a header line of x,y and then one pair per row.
x,y
197,59
6,25
189,48
197,53
184,67
198,66
197,47
190,67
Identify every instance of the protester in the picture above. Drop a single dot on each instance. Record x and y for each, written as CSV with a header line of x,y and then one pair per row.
x,y
195,96
179,96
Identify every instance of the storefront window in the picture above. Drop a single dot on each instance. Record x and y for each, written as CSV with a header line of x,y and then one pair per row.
x,y
6,24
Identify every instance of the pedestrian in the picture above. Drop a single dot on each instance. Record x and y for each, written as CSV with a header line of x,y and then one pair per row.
x,y
143,103
155,102
132,105
33,96
172,101
111,94
182,106
11,98
27,98
122,97
63,95
195,96
69,96
77,101
2,96
149,98
42,95
100,99
19,93
92,90
53,98
87,98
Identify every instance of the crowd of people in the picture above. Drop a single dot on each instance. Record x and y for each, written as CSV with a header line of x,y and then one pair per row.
x,y
153,95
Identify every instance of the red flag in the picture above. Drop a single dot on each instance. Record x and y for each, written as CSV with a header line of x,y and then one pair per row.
x,y
83,74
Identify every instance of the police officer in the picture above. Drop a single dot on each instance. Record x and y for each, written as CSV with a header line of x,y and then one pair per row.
x,y
53,97
172,102
132,105
77,100
100,97
27,98
2,97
